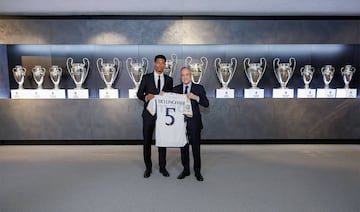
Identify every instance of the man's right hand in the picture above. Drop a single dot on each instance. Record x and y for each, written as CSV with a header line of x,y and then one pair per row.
x,y
149,97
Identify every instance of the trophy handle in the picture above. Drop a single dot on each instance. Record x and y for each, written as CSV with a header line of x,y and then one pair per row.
x,y
44,70
117,62
353,69
145,60
313,70
188,60
332,69
174,59
99,63
292,62
234,65
246,63
87,63
342,70
302,70
128,64
216,65
204,62
263,64
276,62
69,63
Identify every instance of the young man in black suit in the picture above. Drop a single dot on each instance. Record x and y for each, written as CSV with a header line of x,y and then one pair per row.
x,y
194,125
153,84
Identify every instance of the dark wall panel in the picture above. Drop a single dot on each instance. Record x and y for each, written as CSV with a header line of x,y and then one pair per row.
x,y
234,119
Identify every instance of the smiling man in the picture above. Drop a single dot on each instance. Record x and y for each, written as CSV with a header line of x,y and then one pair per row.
x,y
197,94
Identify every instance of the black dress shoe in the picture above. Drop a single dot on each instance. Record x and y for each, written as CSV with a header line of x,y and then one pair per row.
x,y
199,177
147,173
183,174
164,172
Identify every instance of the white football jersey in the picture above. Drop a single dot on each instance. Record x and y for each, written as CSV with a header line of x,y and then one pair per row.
x,y
170,124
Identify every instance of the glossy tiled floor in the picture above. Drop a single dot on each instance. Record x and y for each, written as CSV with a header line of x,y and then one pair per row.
x,y
266,178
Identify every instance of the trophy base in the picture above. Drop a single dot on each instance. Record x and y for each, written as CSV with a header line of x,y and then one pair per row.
x,y
108,93
78,93
225,93
253,93
56,94
325,93
37,94
283,93
133,93
306,93
20,94
346,93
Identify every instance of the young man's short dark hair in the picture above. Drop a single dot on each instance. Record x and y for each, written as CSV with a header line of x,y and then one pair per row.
x,y
160,56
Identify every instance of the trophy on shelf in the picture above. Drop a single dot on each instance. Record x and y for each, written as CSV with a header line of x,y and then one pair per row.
x,y
347,73
225,72
197,69
307,73
283,73
38,73
78,72
19,75
170,65
55,75
136,72
254,73
108,73
328,74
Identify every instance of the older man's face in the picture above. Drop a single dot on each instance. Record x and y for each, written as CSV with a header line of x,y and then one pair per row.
x,y
185,76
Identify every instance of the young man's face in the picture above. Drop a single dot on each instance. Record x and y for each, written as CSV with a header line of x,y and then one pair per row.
x,y
185,76
159,65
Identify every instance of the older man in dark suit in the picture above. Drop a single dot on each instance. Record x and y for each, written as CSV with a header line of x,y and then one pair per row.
x,y
194,125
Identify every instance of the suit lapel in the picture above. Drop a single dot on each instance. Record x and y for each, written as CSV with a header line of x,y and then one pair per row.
x,y
153,81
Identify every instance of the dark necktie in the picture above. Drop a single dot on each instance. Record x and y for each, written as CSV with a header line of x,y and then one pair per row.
x,y
186,89
158,85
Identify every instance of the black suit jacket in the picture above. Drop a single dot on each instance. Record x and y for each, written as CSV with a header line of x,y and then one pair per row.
x,y
147,85
195,122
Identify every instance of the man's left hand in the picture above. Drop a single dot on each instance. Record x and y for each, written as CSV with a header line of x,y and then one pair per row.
x,y
192,96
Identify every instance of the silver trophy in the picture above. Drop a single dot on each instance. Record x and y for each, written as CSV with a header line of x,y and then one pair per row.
x,y
284,71
347,72
78,71
254,71
55,75
19,75
38,73
108,71
137,70
328,74
197,69
225,71
307,73
170,65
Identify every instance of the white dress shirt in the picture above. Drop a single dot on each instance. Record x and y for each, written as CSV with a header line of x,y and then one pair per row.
x,y
162,80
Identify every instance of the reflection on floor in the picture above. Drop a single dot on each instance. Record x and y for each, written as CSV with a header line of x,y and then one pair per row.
x,y
266,178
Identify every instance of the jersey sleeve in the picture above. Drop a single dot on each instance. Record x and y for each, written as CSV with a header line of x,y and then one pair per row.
x,y
151,107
